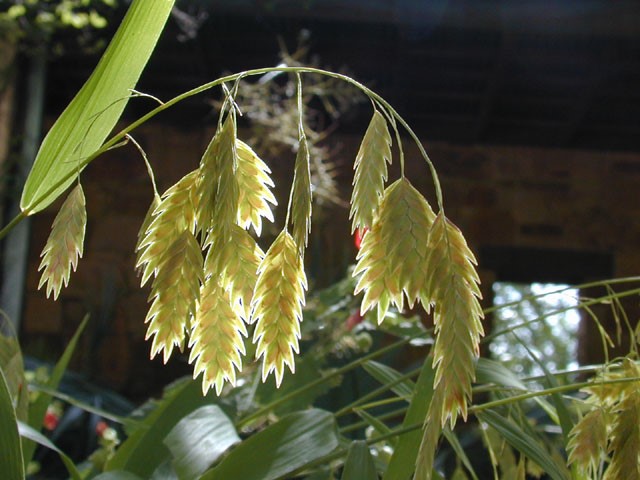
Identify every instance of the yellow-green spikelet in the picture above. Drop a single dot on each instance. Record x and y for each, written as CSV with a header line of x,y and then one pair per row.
x,y
277,306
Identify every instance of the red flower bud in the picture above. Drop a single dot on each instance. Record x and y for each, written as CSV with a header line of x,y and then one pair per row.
x,y
101,426
50,420
359,235
354,320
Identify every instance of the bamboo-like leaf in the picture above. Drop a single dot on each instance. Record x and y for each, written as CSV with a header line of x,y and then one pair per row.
x,y
588,441
280,449
236,264
393,254
65,243
216,339
33,435
254,183
453,284
92,114
370,172
359,464
10,448
144,450
12,364
38,408
625,443
277,306
403,461
524,443
301,196
387,375
199,439
461,454
219,160
164,223
175,292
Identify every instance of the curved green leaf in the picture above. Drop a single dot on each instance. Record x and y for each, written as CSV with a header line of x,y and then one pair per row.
x,y
92,114
403,461
199,439
39,407
359,464
11,463
524,443
281,448
27,432
12,365
144,450
387,375
116,475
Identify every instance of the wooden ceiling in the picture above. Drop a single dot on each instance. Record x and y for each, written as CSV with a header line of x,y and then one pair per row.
x,y
556,73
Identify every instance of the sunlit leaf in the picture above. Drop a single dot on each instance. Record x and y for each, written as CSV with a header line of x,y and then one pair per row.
x,y
403,461
92,114
199,439
144,451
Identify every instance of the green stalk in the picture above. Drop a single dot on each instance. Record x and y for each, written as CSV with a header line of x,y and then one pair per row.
x,y
122,134
378,391
337,372
361,424
548,391
9,226
584,304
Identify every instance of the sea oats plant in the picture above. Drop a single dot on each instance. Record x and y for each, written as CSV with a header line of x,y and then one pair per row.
x,y
214,290
212,284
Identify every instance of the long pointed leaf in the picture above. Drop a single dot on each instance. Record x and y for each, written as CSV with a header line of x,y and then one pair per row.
x,y
404,456
199,439
378,425
11,362
359,464
36,437
386,375
281,448
524,443
144,450
11,463
92,114
39,407
457,447
562,412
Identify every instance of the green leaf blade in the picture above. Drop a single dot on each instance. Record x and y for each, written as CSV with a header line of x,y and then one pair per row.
x,y
403,461
89,118
39,407
524,443
199,439
10,448
144,450
36,437
280,449
359,464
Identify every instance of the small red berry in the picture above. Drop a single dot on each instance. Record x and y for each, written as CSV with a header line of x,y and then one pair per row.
x,y
101,426
354,320
50,420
